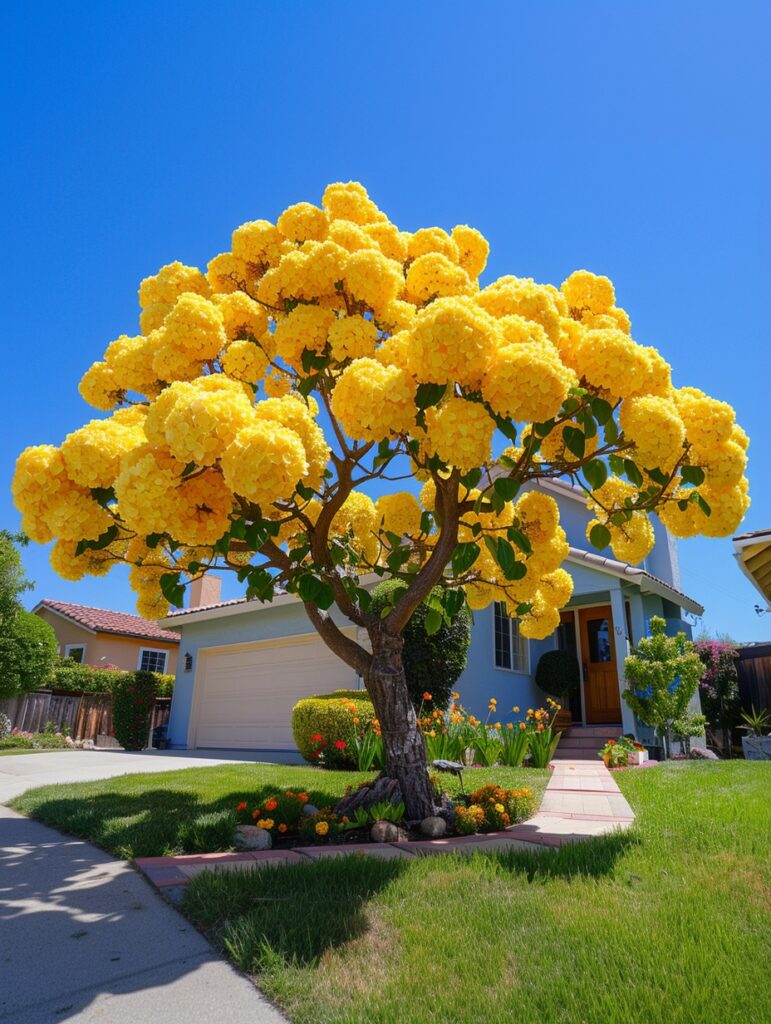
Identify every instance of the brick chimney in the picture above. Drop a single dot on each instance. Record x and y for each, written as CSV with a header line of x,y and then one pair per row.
x,y
205,590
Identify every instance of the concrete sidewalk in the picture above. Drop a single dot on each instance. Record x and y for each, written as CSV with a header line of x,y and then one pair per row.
x,y
83,938
26,771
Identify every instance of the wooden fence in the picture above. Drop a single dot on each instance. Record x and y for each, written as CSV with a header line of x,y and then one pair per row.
x,y
754,670
88,716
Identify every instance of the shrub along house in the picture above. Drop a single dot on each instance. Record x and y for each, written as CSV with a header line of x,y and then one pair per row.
x,y
243,665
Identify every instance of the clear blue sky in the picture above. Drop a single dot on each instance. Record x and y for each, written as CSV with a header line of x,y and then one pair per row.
x,y
628,138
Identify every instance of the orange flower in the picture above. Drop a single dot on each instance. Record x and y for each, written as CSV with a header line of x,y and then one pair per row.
x,y
302,797
282,827
456,696
522,725
256,813
540,726
271,805
426,695
241,806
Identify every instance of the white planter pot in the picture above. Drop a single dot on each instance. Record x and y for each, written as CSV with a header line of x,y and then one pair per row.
x,y
757,748
638,757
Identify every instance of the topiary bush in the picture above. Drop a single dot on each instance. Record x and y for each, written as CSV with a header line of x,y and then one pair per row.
x,y
132,703
559,675
320,724
432,664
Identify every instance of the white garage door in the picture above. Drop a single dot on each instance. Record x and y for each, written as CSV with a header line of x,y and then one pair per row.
x,y
246,694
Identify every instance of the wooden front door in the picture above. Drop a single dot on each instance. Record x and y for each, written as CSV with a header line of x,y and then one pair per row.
x,y
598,654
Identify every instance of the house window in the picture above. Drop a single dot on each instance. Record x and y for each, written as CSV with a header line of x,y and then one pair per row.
x,y
77,652
511,649
151,660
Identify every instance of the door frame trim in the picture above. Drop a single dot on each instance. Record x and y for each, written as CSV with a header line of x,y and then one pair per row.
x,y
614,661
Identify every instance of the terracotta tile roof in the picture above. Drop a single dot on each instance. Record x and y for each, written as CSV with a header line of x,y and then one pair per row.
x,y
103,621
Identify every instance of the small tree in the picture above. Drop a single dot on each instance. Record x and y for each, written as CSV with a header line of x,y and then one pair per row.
x,y
664,672
133,697
331,353
433,662
719,688
28,651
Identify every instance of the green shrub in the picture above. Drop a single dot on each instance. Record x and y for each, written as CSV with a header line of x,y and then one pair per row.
x,y
319,723
16,743
27,654
432,664
69,675
132,702
49,741
559,675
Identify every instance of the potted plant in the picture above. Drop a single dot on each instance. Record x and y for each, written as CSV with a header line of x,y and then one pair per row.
x,y
558,673
757,743
615,754
638,754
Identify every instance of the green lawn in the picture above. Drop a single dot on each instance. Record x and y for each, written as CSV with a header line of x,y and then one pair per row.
x,y
27,750
186,811
665,924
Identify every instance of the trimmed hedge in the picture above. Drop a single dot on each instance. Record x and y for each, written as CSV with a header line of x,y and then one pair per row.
x,y
27,653
327,716
69,675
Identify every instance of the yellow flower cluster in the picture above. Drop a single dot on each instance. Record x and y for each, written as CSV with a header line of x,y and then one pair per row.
x,y
373,401
264,462
655,428
53,505
352,337
460,433
244,360
92,454
399,513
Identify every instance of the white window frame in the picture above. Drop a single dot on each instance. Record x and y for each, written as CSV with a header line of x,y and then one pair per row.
x,y
69,647
523,645
153,650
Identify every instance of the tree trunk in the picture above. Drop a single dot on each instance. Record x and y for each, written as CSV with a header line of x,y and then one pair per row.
x,y
405,749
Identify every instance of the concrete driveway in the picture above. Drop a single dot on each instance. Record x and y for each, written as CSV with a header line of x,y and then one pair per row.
x,y
19,773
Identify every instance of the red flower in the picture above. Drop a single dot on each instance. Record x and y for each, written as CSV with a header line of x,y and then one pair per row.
x,y
318,738
241,806
340,744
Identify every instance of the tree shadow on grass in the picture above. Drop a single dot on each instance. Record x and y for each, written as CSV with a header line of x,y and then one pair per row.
x,y
291,914
153,822
593,858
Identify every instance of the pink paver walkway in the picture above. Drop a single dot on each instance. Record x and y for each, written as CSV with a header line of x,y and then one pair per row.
x,y
582,800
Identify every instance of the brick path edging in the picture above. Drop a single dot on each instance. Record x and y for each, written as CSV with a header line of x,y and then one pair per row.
x,y
581,800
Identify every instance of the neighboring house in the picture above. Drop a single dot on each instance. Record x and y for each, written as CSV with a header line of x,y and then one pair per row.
x,y
95,636
753,553
244,665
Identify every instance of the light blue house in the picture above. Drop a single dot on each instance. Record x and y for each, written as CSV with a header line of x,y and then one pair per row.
x,y
244,665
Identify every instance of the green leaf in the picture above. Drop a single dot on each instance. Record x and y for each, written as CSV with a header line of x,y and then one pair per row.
x,y
464,556
706,509
432,622
471,479
596,473
506,487
520,539
599,536
569,406
426,522
575,441
306,493
506,427
397,558
429,394
100,543
543,429
454,601
172,589
659,477
315,591
189,468
616,464
524,609
692,475
152,540
497,502
633,473
307,384
611,432
602,410
104,495
505,557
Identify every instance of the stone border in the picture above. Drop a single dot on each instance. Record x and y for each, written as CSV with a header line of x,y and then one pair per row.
x,y
581,801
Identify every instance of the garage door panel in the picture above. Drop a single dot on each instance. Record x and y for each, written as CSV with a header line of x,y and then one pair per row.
x,y
246,697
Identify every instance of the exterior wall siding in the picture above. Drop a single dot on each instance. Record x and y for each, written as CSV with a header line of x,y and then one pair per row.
x,y
107,648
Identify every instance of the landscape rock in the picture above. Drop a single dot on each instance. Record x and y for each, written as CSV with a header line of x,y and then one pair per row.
x,y
433,827
384,832
310,810
250,837
88,745
701,753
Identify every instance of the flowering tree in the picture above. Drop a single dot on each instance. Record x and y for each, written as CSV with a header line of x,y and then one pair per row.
x,y
332,351
719,687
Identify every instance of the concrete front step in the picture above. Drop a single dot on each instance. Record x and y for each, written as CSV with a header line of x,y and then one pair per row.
x,y
599,731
